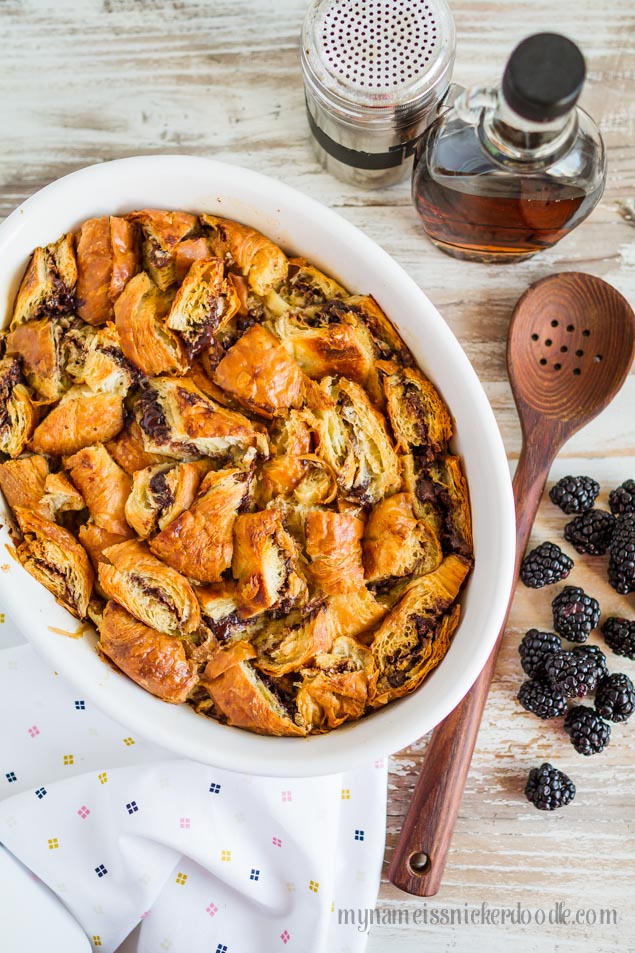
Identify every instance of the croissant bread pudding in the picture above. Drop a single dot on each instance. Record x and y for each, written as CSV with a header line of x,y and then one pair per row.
x,y
233,467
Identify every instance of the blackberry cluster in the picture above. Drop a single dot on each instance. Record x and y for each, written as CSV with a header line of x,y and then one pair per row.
x,y
534,648
622,555
591,532
575,614
615,698
588,733
577,672
545,565
539,698
574,494
622,500
548,789
619,635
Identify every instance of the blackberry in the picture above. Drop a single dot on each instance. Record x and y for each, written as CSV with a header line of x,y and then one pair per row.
x,y
588,733
574,494
619,635
622,500
622,555
539,698
577,672
548,789
534,648
591,532
615,698
575,614
544,565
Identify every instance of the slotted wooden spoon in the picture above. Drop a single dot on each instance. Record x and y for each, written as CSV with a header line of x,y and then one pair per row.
x,y
571,344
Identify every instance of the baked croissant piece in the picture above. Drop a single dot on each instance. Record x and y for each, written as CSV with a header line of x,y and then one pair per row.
x,y
258,259
140,316
259,373
248,699
333,544
204,302
104,486
354,441
419,418
178,420
233,468
199,542
151,591
336,684
266,564
48,286
396,544
440,496
162,234
161,493
53,556
17,413
415,635
80,419
107,257
150,658
38,344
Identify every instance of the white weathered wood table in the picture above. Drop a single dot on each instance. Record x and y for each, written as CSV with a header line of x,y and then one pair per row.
x,y
87,80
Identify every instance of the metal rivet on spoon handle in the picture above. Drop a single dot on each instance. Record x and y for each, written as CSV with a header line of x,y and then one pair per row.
x,y
570,346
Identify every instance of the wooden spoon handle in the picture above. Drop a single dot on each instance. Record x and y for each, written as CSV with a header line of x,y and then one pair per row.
x,y
421,852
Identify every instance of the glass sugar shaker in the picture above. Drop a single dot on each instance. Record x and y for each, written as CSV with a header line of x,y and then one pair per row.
x,y
507,171
374,71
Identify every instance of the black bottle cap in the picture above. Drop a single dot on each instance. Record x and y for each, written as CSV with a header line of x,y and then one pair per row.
x,y
544,77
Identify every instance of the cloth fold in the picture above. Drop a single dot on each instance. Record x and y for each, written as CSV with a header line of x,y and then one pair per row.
x,y
210,861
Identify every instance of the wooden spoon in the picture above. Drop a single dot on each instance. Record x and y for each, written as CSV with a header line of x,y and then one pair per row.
x,y
571,344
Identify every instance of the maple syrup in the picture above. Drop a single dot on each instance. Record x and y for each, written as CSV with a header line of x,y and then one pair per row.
x,y
505,173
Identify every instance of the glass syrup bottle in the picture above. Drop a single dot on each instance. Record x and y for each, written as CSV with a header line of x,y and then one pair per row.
x,y
505,172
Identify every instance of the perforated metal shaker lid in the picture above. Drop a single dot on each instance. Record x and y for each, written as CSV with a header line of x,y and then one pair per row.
x,y
372,58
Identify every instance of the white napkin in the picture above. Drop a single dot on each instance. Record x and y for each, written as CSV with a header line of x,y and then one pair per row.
x,y
210,861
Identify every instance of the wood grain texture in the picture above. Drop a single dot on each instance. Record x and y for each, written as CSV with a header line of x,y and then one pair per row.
x,y
86,80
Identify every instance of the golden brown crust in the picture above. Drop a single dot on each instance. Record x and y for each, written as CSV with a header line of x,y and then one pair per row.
x,y
95,540
259,373
37,344
162,233
18,415
202,305
396,543
419,418
292,439
177,419
127,450
54,557
187,252
244,700
161,493
94,271
335,686
265,563
304,287
48,285
151,591
140,313
60,496
451,485
153,660
415,635
79,420
199,542
126,257
22,482
335,348
104,486
333,543
354,442
263,264
285,645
